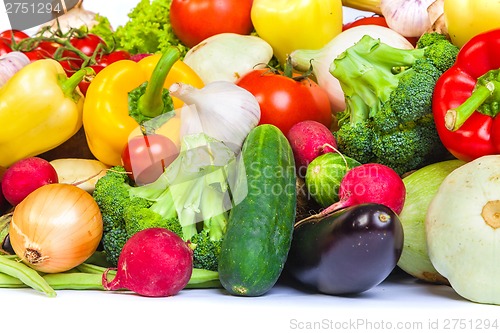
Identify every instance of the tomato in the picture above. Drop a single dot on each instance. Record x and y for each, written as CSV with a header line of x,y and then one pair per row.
x,y
87,44
195,20
284,101
37,54
4,46
16,35
84,84
146,157
369,20
48,46
106,59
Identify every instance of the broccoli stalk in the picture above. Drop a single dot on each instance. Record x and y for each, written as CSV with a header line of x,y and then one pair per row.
x,y
388,92
191,197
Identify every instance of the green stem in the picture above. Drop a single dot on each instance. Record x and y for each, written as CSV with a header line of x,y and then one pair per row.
x,y
69,84
151,103
455,118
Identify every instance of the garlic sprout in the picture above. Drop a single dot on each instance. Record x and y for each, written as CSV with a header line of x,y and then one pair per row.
x,y
221,110
408,17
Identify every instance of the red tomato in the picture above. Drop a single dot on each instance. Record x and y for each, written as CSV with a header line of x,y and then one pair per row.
x,y
87,79
37,54
17,35
146,157
48,46
284,101
4,46
87,44
195,20
369,20
109,58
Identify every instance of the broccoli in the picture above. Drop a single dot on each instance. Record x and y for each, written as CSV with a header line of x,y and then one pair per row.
x,y
190,198
388,92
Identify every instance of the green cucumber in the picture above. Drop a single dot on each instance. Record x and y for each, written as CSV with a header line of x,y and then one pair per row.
x,y
324,175
260,227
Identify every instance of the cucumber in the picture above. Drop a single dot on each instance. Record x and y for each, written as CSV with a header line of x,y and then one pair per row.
x,y
260,227
324,174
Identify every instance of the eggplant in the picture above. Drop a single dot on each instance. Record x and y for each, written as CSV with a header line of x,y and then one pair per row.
x,y
347,252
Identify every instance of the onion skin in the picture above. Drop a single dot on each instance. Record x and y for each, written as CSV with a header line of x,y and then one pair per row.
x,y
56,228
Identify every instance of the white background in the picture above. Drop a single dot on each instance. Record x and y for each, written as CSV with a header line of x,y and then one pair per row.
x,y
398,301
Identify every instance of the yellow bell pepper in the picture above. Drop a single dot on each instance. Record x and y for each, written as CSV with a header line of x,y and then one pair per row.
x,y
466,18
106,118
288,25
40,108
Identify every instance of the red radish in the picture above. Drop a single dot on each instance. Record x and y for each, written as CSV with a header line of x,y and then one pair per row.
x,y
25,176
369,183
154,262
308,140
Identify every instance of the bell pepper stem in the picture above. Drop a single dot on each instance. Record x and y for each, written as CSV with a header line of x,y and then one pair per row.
x,y
455,118
69,84
151,103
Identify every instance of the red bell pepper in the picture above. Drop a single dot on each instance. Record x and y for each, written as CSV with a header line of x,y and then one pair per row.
x,y
466,100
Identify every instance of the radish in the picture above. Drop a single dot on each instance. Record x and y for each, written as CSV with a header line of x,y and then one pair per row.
x,y
154,262
369,183
25,176
308,140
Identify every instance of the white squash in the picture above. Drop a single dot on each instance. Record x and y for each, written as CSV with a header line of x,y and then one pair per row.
x,y
463,230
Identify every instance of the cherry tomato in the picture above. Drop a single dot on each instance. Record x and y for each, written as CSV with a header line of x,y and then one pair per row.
x,y
87,79
48,46
284,101
71,66
4,46
106,59
146,157
37,54
16,35
87,44
195,20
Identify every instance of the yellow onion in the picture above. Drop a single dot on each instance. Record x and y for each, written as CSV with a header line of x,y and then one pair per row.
x,y
56,228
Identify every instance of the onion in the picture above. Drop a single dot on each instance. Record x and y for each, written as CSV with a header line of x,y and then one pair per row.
x,y
56,228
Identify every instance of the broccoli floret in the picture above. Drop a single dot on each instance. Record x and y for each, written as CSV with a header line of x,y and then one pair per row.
x,y
206,251
111,195
112,242
138,216
356,140
388,93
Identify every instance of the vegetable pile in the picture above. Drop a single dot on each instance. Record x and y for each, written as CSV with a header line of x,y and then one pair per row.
x,y
231,146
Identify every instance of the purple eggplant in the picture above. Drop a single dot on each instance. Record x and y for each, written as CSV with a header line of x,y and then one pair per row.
x,y
347,252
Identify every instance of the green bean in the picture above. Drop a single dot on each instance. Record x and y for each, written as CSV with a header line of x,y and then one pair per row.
x,y
90,268
27,275
74,281
7,281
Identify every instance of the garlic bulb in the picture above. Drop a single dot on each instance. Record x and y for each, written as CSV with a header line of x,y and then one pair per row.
x,y
221,110
408,17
